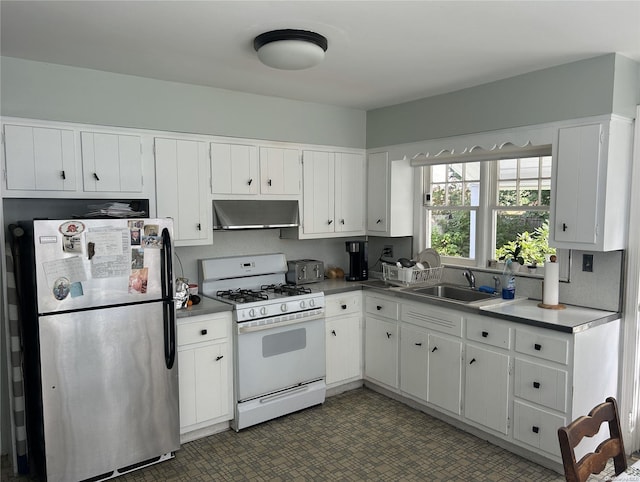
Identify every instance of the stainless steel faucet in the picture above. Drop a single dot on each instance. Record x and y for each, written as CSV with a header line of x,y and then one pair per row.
x,y
467,273
496,283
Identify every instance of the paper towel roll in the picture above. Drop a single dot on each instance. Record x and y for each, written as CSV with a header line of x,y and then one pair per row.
x,y
550,288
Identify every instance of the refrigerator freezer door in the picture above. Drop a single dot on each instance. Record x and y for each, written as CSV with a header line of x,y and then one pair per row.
x,y
109,400
86,263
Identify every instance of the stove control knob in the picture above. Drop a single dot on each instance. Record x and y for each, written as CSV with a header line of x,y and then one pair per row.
x,y
252,313
312,302
263,311
283,307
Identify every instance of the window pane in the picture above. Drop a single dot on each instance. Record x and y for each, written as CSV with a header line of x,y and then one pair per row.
x,y
507,168
455,194
455,172
438,194
451,232
472,171
439,173
529,228
472,194
507,195
546,167
529,167
529,192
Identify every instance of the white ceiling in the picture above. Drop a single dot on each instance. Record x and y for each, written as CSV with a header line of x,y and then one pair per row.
x,y
380,52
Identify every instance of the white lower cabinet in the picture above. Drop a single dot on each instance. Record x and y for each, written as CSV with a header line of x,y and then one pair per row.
x,y
487,388
343,339
445,373
414,361
537,428
205,372
381,351
381,340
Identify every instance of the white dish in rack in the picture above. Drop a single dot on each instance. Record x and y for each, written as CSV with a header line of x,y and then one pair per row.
x,y
429,258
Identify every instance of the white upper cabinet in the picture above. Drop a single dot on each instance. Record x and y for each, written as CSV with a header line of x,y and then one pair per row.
x,y
318,192
591,186
279,171
182,185
234,169
111,162
349,192
333,194
39,159
389,196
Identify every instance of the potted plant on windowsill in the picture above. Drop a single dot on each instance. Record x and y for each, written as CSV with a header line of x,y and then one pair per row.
x,y
511,251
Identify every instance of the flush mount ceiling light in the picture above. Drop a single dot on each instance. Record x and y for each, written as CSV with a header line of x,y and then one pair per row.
x,y
290,49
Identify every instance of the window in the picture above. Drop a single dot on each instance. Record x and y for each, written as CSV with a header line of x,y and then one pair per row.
x,y
484,210
455,190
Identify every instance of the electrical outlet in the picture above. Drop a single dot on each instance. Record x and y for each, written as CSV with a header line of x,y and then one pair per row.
x,y
587,263
387,251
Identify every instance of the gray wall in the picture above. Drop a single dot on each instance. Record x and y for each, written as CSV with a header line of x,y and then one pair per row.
x,y
579,89
55,92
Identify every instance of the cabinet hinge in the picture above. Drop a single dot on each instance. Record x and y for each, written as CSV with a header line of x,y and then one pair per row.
x,y
508,423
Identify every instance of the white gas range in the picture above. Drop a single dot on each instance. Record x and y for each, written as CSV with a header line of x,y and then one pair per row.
x,y
279,362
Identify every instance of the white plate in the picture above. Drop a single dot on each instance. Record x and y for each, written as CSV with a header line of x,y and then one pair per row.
x,y
429,258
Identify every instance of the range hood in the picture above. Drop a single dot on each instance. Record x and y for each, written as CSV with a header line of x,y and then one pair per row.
x,y
254,214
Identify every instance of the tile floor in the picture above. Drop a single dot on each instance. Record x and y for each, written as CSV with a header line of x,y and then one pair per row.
x,y
358,435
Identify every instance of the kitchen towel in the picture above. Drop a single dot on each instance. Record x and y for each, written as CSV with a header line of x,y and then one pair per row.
x,y
550,286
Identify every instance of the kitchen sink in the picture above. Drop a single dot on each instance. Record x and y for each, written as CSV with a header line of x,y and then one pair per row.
x,y
451,293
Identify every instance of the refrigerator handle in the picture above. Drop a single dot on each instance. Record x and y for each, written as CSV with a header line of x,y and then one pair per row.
x,y
169,316
166,265
169,311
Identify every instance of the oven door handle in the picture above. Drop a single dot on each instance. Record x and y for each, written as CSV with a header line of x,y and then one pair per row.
x,y
242,328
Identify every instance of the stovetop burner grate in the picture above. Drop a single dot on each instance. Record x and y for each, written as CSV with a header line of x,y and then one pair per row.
x,y
243,295
286,289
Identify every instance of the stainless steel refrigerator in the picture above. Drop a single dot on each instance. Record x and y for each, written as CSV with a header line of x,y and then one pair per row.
x,y
100,347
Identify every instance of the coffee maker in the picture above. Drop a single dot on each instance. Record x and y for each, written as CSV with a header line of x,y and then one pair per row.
x,y
358,261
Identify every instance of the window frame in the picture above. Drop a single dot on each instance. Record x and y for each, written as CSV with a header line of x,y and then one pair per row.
x,y
486,211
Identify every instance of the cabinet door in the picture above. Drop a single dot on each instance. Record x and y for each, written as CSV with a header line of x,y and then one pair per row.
x,y
576,186
204,383
444,387
381,351
349,191
414,361
318,192
181,187
234,169
111,162
487,388
378,194
187,386
212,383
39,159
279,171
344,348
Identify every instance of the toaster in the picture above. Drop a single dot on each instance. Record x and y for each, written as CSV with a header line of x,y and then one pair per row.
x,y
302,271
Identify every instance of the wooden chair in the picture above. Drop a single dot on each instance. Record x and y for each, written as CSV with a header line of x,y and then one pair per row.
x,y
588,426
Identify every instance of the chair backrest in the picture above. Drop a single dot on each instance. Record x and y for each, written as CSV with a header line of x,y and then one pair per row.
x,y
588,426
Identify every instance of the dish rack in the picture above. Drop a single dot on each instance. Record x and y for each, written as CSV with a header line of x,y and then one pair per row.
x,y
411,276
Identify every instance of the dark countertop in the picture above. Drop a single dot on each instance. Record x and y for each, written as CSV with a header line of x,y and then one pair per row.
x,y
572,319
205,307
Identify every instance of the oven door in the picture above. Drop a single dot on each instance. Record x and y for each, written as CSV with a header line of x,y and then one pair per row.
x,y
278,357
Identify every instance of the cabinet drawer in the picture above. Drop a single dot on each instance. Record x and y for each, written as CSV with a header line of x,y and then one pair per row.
x,y
541,384
489,332
433,318
537,428
382,307
199,331
542,346
342,304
